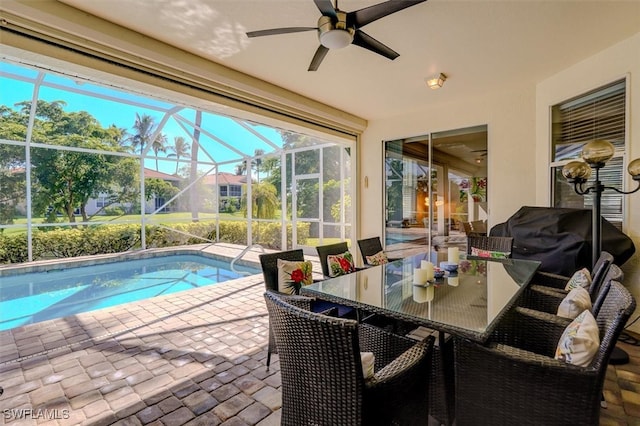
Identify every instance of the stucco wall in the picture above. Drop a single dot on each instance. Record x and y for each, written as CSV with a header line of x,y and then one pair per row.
x,y
509,116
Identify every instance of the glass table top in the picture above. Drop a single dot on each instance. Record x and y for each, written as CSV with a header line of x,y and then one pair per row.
x,y
466,303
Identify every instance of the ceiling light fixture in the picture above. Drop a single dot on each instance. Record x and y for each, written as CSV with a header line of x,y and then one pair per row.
x,y
336,39
437,81
335,35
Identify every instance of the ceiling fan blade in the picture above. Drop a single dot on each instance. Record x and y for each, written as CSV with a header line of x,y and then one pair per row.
x,y
364,16
317,58
362,39
326,8
275,31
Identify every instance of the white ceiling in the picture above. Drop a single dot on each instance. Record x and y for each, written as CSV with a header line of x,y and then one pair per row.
x,y
482,46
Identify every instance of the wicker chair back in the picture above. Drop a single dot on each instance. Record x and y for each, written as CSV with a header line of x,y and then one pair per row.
x,y
329,249
369,247
269,264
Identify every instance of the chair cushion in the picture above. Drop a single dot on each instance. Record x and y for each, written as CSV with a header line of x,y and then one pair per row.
x,y
377,259
292,275
475,251
368,360
340,264
581,278
574,303
580,341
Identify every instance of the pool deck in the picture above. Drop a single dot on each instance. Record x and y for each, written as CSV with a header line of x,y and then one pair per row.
x,y
195,357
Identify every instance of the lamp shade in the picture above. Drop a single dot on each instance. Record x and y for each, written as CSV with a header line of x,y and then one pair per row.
x,y
576,171
634,169
336,39
598,152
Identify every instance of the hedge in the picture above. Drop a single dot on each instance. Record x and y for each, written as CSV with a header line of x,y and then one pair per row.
x,y
103,239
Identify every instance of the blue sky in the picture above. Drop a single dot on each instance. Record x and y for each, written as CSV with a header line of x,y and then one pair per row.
x,y
113,111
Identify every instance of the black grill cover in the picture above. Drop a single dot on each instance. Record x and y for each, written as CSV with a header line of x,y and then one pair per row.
x,y
560,238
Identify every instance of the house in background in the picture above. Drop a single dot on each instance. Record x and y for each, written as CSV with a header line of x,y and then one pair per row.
x,y
230,189
94,205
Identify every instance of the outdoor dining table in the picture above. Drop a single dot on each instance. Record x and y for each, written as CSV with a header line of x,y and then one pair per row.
x,y
468,303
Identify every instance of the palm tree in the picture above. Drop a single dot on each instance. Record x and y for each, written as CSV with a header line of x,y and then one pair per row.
x,y
256,163
144,128
159,144
179,149
142,131
193,175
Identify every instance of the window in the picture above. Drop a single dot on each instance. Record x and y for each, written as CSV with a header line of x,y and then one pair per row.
x,y
102,201
223,190
599,114
235,190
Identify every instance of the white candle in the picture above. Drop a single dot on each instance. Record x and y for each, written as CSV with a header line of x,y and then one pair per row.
x,y
427,266
420,276
431,293
420,294
453,255
453,281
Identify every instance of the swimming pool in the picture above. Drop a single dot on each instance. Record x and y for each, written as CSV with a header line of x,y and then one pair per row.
x,y
39,296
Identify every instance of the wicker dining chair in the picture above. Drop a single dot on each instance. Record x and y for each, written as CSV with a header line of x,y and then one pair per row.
x,y
547,298
369,247
514,379
328,250
269,264
600,270
321,370
497,244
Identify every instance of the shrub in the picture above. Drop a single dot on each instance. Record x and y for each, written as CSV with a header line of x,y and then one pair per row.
x,y
13,248
117,238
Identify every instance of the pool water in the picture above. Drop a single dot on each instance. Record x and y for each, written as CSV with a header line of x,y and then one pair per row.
x,y
34,297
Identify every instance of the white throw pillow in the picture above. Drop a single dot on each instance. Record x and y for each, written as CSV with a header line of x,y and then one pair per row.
x,y
292,275
580,341
574,303
368,362
377,259
581,278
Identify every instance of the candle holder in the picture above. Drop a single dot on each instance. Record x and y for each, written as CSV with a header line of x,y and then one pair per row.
x,y
595,155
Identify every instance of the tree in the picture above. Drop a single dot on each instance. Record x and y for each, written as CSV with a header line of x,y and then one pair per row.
x,y
63,180
256,164
158,188
12,164
145,133
179,149
265,202
193,172
159,145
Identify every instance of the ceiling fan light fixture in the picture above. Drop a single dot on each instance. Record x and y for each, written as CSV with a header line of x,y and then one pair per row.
x,y
336,39
437,81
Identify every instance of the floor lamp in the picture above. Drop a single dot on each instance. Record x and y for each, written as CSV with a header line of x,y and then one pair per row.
x,y
595,155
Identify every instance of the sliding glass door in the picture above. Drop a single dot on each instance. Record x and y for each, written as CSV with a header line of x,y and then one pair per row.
x,y
435,189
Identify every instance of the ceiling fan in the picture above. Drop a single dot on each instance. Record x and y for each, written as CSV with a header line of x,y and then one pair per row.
x,y
338,29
